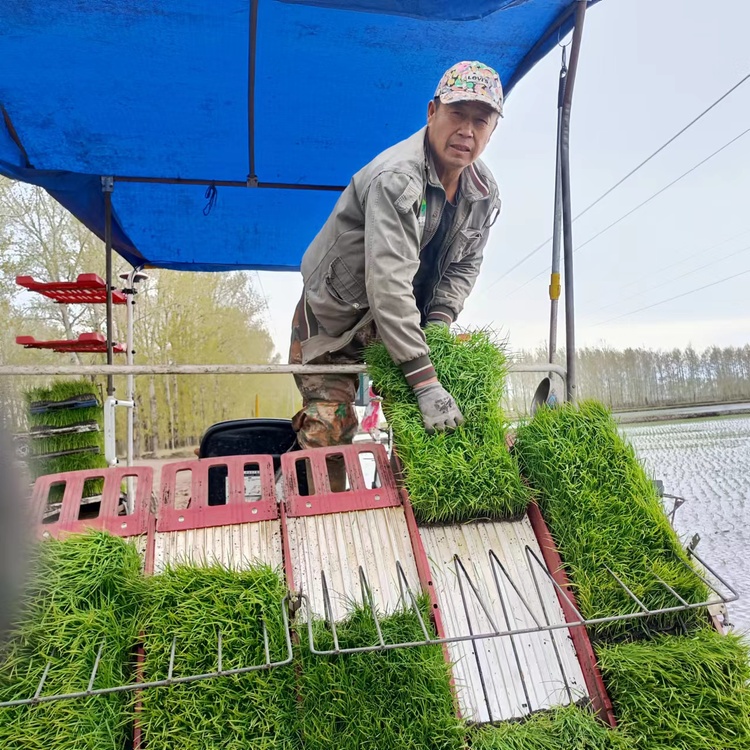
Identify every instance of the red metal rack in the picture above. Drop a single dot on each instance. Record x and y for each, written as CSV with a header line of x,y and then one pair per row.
x,y
88,288
86,342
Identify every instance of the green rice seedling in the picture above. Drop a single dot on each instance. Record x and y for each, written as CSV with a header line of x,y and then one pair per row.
x,y
65,442
84,595
603,511
39,465
59,390
564,728
681,692
67,417
255,710
468,473
83,572
399,699
70,644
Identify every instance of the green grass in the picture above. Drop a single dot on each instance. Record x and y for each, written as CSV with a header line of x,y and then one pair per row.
x,y
602,509
392,700
468,473
84,593
681,692
255,710
568,728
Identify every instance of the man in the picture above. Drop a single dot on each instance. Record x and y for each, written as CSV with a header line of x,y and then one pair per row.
x,y
401,250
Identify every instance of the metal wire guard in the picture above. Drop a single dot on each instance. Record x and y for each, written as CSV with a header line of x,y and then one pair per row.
x,y
499,571
170,679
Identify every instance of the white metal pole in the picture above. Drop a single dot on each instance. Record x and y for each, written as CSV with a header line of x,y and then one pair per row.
x,y
130,381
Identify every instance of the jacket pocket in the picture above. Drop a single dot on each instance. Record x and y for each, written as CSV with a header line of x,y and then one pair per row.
x,y
466,240
344,286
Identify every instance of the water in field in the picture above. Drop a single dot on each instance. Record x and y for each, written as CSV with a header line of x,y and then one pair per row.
x,y
708,463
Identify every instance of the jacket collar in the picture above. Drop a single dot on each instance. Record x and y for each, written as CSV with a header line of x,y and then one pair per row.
x,y
471,183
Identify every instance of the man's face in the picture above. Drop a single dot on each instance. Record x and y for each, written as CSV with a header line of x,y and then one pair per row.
x,y
458,133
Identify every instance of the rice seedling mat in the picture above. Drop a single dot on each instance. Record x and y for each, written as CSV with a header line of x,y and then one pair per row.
x,y
630,570
216,569
467,473
243,530
332,536
100,658
65,423
478,570
690,692
74,638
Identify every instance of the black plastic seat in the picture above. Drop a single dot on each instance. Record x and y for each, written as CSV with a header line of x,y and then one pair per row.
x,y
241,437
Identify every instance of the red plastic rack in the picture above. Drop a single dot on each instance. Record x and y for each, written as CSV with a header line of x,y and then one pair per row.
x,y
88,289
139,522
86,342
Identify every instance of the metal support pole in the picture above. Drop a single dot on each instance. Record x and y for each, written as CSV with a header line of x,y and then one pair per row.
x,y
132,279
130,293
554,282
107,187
570,333
130,378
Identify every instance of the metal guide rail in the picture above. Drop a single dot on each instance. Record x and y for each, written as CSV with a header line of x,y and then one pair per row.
x,y
500,608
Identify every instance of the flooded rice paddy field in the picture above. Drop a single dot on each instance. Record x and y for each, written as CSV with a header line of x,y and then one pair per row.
x,y
708,463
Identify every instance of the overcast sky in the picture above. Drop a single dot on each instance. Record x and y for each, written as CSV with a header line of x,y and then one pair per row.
x,y
647,68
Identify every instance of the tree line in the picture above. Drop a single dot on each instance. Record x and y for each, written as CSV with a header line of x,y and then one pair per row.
x,y
637,378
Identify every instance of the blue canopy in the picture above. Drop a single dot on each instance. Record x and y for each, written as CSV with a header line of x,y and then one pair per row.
x,y
276,103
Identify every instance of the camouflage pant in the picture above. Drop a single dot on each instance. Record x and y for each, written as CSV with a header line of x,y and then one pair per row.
x,y
327,416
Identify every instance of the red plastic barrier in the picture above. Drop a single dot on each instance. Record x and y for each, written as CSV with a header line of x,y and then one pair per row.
x,y
199,514
109,518
321,499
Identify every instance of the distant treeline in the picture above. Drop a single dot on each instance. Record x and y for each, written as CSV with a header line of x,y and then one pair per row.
x,y
634,378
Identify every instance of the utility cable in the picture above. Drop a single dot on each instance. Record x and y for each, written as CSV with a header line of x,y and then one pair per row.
x,y
626,177
263,295
677,296
680,261
639,206
672,280
666,187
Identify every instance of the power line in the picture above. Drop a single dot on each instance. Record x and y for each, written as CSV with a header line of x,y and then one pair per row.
x,y
677,296
671,281
680,261
666,187
626,177
639,206
265,306
662,147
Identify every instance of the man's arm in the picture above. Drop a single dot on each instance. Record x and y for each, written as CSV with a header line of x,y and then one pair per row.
x,y
392,237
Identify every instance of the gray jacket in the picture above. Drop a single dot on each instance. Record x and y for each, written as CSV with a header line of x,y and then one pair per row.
x,y
362,263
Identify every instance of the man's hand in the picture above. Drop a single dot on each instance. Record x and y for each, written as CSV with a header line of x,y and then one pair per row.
x,y
439,410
